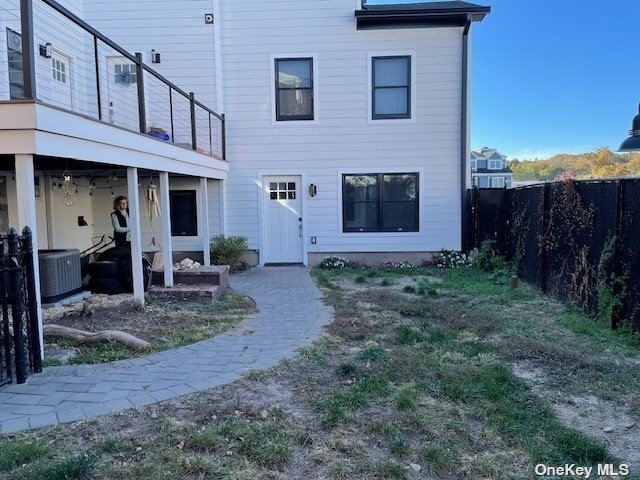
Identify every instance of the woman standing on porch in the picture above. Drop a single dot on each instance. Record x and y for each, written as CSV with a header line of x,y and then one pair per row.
x,y
120,222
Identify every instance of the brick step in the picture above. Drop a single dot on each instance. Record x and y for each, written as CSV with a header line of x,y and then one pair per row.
x,y
181,291
215,275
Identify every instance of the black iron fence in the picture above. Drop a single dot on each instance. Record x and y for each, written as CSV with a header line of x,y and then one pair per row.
x,y
62,61
578,240
20,352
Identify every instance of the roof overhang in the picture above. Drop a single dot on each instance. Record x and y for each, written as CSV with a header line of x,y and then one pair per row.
x,y
419,15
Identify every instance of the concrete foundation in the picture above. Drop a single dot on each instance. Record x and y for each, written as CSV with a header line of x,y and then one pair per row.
x,y
373,259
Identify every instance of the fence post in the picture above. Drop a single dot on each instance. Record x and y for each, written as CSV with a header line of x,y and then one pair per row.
x,y
32,304
194,135
142,110
544,260
6,332
617,251
16,294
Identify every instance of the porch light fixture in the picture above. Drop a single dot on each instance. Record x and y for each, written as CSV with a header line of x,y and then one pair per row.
x,y
313,190
632,144
46,50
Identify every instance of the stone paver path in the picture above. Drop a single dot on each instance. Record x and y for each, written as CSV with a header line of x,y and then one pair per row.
x,y
291,314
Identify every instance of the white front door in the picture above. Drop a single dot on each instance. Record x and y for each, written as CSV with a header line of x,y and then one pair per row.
x,y
282,219
61,91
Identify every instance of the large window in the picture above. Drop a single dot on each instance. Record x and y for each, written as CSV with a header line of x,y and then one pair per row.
x,y
391,79
380,202
294,88
184,213
497,182
14,60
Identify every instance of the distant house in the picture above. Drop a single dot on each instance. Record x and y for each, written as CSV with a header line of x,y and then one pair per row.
x,y
489,169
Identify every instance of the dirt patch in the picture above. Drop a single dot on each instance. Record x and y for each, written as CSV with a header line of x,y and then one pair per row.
x,y
165,322
604,421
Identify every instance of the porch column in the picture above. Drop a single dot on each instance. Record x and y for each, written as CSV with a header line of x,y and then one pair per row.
x,y
204,220
134,232
223,206
165,218
26,206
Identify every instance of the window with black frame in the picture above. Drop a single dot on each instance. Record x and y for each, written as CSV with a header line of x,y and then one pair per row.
x,y
14,64
380,202
294,89
391,87
184,213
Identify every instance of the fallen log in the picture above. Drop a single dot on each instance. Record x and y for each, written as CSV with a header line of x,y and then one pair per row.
x,y
128,340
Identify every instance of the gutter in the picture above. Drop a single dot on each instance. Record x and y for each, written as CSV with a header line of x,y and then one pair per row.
x,y
464,124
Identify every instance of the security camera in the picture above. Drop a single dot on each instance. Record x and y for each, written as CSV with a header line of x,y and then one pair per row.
x,y
208,18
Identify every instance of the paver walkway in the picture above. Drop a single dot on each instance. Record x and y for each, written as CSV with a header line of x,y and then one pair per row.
x,y
291,314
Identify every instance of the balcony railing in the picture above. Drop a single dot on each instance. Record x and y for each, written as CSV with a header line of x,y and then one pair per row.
x,y
55,57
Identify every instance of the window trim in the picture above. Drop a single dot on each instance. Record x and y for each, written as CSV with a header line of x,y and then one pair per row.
x,y
277,88
380,228
408,87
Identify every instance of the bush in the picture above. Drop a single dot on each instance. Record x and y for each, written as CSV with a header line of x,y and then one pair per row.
x,y
487,257
229,250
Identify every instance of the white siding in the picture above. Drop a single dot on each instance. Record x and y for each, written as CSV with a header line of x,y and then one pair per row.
x,y
342,138
174,28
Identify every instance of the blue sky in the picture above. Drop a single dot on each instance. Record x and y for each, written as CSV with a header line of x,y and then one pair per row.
x,y
553,76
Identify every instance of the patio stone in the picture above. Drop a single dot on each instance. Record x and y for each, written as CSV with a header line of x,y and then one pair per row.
x,y
291,314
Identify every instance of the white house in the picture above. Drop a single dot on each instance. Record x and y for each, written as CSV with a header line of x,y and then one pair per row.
x,y
489,169
315,128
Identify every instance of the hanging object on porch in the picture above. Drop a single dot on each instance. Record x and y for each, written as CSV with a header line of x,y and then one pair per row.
x,y
153,204
69,188
153,209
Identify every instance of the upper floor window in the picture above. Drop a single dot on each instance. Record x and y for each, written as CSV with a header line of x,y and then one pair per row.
x,y
474,164
495,164
380,202
14,58
294,88
391,82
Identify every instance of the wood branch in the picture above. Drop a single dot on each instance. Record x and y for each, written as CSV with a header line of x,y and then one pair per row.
x,y
128,340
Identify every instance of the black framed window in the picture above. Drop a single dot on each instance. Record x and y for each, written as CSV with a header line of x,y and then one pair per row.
x,y
294,88
380,202
184,213
14,62
391,92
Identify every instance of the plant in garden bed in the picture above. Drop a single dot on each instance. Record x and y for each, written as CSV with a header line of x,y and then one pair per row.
x,y
229,251
335,263
453,259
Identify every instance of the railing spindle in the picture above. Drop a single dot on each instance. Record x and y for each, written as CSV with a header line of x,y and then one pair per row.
x,y
28,51
97,62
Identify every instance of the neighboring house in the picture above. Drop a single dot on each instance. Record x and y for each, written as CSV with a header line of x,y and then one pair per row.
x,y
489,169
345,127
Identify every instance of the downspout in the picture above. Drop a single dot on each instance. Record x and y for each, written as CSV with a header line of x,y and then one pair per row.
x,y
464,137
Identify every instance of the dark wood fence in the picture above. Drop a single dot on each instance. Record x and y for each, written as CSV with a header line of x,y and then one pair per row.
x,y
578,240
20,353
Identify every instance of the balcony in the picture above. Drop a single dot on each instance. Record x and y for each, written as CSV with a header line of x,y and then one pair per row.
x,y
69,74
